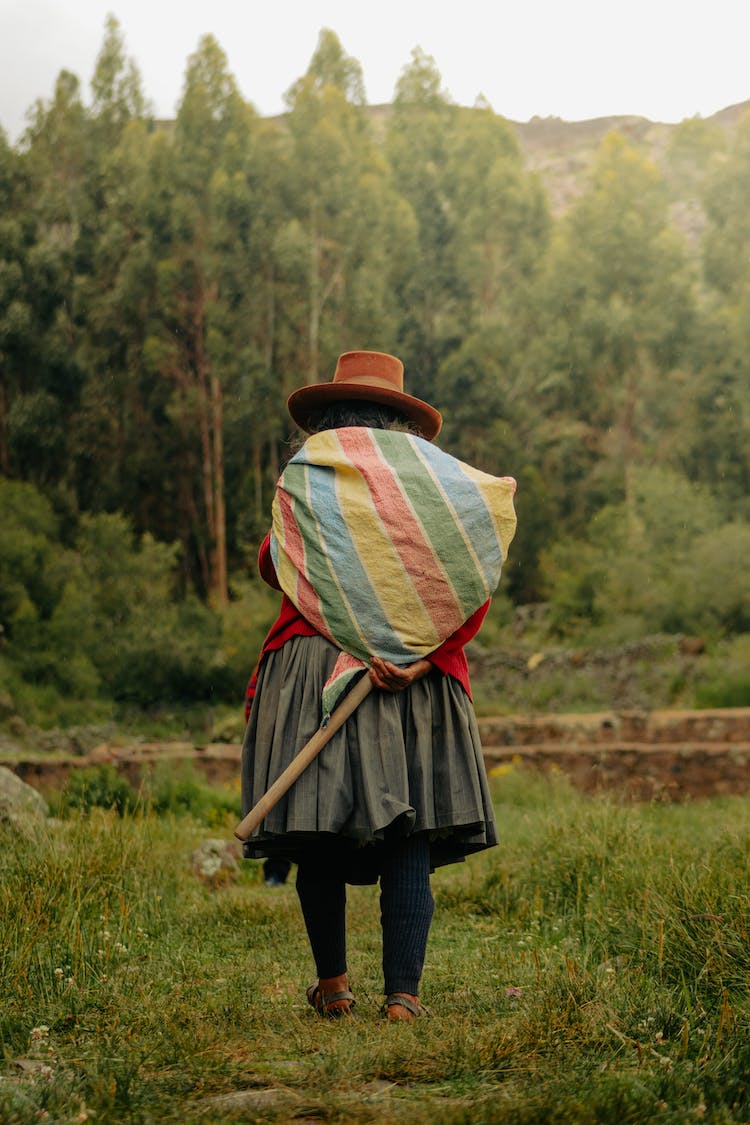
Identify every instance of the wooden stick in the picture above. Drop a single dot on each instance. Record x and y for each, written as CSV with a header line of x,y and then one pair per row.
x,y
299,764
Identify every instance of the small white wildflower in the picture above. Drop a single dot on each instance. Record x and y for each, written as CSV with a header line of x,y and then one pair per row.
x,y
106,935
58,973
69,980
120,948
39,1033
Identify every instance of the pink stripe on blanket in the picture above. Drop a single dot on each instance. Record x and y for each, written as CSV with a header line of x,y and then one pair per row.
x,y
305,599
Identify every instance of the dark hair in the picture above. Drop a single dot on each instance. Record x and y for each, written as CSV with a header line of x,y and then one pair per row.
x,y
337,415
376,416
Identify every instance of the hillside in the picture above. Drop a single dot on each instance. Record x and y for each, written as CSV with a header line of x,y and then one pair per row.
x,y
562,151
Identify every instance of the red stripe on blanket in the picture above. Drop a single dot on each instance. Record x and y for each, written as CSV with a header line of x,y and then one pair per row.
x,y
306,600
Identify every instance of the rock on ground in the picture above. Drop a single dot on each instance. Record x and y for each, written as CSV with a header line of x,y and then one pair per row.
x,y
21,807
215,861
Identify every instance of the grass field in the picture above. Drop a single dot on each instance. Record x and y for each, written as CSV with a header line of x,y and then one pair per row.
x,y
595,967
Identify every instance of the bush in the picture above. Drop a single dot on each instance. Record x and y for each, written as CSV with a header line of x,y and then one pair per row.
x,y
182,793
728,693
667,562
105,619
726,675
166,791
32,564
99,787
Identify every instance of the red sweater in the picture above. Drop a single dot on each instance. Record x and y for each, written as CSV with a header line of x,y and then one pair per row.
x,y
450,657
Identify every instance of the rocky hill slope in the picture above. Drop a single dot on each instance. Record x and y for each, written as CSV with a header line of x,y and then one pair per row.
x,y
562,152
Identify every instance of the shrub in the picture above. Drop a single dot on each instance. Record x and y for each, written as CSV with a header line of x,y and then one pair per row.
x,y
165,791
666,562
181,793
726,675
99,787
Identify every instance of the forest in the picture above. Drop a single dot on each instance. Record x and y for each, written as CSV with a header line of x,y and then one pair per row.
x,y
164,285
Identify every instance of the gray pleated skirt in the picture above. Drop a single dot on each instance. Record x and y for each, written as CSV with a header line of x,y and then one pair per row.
x,y
403,763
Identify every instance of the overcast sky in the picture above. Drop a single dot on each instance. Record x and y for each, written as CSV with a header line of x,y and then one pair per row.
x,y
663,59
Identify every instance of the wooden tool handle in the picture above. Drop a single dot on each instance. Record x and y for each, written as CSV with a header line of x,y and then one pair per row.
x,y
299,764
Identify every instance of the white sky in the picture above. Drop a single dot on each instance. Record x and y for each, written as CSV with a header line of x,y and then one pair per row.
x,y
663,59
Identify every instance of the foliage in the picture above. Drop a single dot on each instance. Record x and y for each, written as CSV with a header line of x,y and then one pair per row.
x,y
166,792
593,968
100,787
726,682
103,615
668,560
162,791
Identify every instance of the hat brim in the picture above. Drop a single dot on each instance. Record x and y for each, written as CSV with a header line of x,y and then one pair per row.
x,y
306,401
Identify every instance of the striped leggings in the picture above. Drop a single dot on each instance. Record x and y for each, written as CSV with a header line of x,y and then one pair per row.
x,y
406,909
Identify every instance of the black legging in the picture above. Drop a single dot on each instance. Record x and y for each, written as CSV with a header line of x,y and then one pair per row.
x,y
406,909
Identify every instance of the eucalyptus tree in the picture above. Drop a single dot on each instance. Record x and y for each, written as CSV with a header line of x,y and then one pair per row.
x,y
347,231
211,129
718,445
112,437
502,228
15,313
43,189
433,293
213,344
619,313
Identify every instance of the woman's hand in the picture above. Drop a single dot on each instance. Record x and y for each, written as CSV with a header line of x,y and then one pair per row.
x,y
389,677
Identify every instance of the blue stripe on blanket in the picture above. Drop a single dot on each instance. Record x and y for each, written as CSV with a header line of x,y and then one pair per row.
x,y
472,512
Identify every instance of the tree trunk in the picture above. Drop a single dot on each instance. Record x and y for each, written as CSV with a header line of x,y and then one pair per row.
x,y
313,333
211,427
633,382
4,458
258,483
220,551
190,527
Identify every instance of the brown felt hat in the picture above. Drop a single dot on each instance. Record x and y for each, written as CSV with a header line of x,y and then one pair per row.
x,y
365,377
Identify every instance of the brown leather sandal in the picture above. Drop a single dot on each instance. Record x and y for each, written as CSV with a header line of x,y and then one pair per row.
x,y
400,1000
330,1005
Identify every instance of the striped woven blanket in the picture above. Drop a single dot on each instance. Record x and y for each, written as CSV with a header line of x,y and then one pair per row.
x,y
387,544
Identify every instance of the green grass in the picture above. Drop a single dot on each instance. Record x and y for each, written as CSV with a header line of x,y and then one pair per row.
x,y
595,967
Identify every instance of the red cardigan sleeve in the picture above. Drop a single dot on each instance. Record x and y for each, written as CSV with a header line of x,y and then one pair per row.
x,y
266,569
